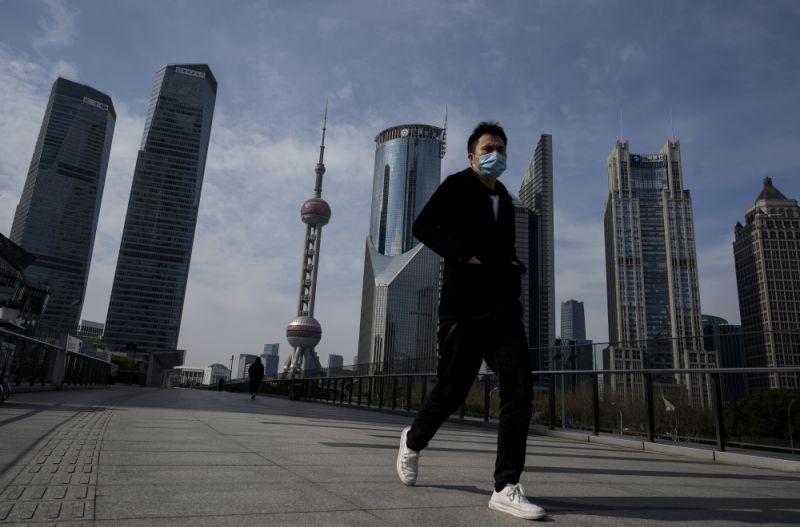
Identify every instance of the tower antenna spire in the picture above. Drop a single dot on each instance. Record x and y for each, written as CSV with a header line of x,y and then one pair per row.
x,y
672,125
305,332
320,168
621,135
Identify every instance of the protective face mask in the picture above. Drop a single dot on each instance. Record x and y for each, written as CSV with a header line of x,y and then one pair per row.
x,y
492,165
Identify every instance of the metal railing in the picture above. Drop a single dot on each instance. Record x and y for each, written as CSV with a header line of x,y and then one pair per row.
x,y
27,362
648,410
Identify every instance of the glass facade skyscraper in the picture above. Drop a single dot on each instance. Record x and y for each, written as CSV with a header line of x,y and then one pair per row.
x,y
56,218
536,193
651,269
401,276
147,296
573,322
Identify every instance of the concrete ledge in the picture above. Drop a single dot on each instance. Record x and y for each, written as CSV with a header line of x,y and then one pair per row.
x,y
734,458
700,454
678,450
571,436
27,388
617,441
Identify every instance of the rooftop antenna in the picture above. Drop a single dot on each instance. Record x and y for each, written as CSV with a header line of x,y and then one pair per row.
x,y
672,125
620,126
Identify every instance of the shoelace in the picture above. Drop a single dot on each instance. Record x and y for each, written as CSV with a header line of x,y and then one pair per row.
x,y
517,494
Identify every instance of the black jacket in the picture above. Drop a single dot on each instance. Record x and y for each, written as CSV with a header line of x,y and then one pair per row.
x,y
458,223
256,371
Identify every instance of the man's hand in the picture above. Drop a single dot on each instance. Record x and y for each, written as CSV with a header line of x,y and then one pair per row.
x,y
473,261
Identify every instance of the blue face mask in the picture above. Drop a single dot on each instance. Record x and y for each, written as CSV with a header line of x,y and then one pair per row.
x,y
492,165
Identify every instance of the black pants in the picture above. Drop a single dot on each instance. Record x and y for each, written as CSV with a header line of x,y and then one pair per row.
x,y
501,342
254,385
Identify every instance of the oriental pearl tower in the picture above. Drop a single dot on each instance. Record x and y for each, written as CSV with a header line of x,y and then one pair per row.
x,y
304,332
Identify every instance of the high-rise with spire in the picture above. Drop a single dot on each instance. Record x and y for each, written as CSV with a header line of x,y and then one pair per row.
x,y
766,251
401,276
304,332
56,218
146,306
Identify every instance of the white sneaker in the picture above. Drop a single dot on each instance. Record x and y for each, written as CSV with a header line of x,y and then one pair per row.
x,y
407,461
513,501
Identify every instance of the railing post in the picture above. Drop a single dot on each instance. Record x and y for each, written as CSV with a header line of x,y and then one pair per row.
x,y
369,391
409,386
596,404
487,391
380,391
722,438
394,393
651,418
350,391
551,400
360,385
424,390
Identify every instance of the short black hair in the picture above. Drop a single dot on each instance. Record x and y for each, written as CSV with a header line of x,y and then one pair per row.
x,y
484,128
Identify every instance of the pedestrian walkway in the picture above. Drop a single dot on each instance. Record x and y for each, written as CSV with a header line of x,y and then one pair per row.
x,y
135,456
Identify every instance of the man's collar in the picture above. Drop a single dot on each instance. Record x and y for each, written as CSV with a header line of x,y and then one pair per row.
x,y
484,181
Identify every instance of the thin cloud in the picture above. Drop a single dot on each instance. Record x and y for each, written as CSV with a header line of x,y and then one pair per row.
x,y
57,27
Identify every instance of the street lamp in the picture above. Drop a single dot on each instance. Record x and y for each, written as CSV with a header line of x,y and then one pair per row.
x,y
789,416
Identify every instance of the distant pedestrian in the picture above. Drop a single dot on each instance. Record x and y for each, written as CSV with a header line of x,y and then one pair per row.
x,y
221,383
256,372
469,221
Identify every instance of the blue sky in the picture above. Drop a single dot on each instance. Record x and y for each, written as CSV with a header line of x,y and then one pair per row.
x,y
729,71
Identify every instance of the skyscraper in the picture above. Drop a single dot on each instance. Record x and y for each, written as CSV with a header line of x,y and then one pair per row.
x,y
573,323
56,218
767,257
401,276
536,193
271,359
245,360
523,224
335,362
147,295
651,268
727,340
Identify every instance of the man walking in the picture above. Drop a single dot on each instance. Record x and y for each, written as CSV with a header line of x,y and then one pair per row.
x,y
469,221
256,373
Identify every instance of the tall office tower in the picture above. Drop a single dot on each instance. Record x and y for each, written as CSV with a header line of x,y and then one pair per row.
x,y
144,313
271,359
651,269
767,256
304,332
727,340
56,218
524,219
335,362
401,276
573,323
245,360
88,328
536,193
